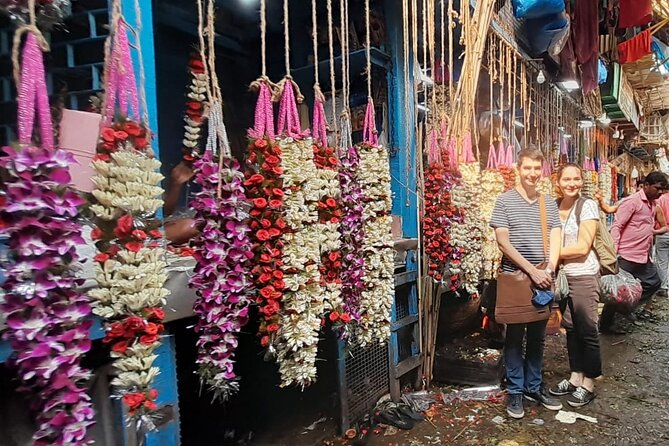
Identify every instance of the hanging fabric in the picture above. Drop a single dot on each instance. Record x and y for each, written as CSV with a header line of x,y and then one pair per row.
x,y
634,13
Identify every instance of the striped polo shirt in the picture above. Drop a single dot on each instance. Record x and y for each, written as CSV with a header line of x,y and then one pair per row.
x,y
523,220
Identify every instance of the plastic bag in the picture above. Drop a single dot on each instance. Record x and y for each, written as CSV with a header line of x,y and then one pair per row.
x,y
547,34
621,289
534,9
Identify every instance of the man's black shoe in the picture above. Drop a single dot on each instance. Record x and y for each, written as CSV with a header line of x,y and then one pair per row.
x,y
514,406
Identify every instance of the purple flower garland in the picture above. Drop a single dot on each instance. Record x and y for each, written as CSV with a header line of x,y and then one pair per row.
x,y
44,311
351,230
222,273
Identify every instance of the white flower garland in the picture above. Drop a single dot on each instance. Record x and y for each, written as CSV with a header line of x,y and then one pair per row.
x,y
606,182
378,294
468,234
492,186
303,301
130,271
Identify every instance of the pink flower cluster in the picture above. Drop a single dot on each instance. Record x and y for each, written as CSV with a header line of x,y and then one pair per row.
x,y
351,230
45,313
222,275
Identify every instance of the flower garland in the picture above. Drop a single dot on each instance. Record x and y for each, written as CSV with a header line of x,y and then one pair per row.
x,y
44,311
492,186
468,234
304,300
510,175
329,218
351,232
221,276
378,293
130,270
264,189
440,213
194,108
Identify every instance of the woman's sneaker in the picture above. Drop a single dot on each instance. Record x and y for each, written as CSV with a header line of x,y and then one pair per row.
x,y
562,388
542,397
580,397
514,406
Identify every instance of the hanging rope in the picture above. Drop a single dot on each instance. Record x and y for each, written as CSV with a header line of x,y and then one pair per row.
x,y
263,124
137,31
369,132
319,126
333,87
288,92
203,58
346,139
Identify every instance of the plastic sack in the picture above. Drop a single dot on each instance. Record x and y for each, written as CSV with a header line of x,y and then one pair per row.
x,y
547,34
621,289
535,9
602,72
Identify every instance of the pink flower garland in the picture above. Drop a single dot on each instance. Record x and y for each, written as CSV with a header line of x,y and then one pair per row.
x,y
45,312
222,275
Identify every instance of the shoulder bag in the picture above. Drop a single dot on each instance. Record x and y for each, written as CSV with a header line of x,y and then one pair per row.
x,y
602,244
515,289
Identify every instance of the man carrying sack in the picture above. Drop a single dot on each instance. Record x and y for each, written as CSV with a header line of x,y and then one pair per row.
x,y
528,230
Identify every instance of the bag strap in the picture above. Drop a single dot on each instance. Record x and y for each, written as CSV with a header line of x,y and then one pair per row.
x,y
578,208
544,225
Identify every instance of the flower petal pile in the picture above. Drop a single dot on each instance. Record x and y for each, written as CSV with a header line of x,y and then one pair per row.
x,y
379,255
44,310
193,119
304,300
222,272
264,188
130,267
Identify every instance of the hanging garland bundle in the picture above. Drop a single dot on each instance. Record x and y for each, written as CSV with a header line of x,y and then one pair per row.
x,y
222,271
468,234
329,196
492,186
197,89
440,213
43,308
304,301
130,268
351,228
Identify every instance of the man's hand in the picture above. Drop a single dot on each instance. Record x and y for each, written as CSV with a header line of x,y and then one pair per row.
x,y
541,278
181,173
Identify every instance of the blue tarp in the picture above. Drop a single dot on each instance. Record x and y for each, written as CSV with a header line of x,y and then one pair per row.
x,y
536,9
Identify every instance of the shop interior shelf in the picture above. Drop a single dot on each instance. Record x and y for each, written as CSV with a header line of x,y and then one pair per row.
x,y
357,64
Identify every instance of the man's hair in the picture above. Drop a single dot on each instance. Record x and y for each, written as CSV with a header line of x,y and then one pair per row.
x,y
656,177
531,153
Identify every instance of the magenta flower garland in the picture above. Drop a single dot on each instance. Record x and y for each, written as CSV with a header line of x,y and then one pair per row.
x,y
352,235
44,311
221,279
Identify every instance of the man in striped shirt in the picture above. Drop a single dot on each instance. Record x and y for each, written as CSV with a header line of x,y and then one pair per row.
x,y
517,223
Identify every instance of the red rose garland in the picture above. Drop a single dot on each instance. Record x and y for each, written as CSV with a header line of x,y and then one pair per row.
x,y
263,184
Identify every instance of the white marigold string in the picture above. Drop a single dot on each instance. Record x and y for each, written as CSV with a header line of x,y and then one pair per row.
x,y
303,301
468,234
130,268
378,292
492,186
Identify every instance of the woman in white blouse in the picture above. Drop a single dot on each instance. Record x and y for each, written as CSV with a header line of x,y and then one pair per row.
x,y
581,265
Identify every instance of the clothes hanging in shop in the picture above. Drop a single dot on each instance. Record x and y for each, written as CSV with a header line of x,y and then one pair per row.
x,y
634,13
585,40
635,48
